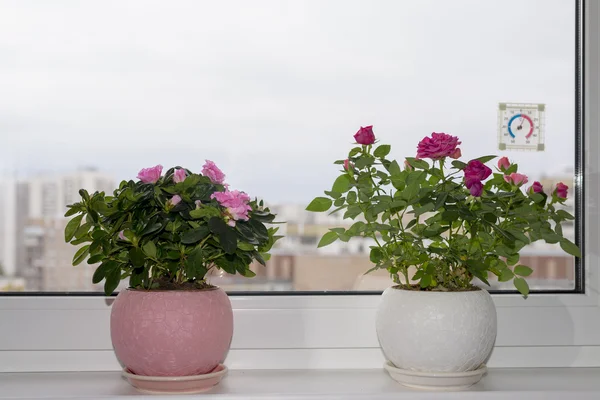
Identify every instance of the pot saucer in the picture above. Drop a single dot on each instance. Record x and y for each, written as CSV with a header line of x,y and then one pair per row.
x,y
176,384
440,381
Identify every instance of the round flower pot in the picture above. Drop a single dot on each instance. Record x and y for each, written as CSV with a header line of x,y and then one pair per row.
x,y
449,332
171,332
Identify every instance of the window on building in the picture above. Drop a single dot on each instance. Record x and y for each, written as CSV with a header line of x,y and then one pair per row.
x,y
272,92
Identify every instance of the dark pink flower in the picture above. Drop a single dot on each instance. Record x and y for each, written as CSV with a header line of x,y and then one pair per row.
x,y
516,179
438,146
457,154
173,201
346,164
213,172
365,135
475,187
536,188
561,190
235,202
503,164
476,170
150,175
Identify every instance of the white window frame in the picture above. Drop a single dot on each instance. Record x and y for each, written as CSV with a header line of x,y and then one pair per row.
x,y
295,332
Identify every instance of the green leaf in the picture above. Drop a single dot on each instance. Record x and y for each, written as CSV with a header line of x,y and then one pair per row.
x,y
485,159
339,202
393,168
354,151
459,164
564,215
81,254
82,230
376,255
333,195
205,211
522,270
137,257
151,228
341,184
425,281
352,212
245,246
410,191
364,162
95,258
72,227
227,236
319,204
150,249
551,237
194,264
512,259
102,270
382,151
422,164
423,209
72,210
570,247
195,235
351,197
506,275
113,277
521,285
327,239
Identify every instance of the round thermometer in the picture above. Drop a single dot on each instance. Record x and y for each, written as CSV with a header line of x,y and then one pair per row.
x,y
521,126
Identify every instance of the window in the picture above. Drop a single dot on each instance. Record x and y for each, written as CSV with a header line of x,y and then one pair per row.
x,y
271,92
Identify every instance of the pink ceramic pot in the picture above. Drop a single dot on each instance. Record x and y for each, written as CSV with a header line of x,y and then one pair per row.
x,y
171,333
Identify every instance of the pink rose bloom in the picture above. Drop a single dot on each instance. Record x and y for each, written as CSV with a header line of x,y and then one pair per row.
x,y
457,154
476,170
173,201
213,172
561,190
365,135
122,236
235,202
150,175
179,175
536,188
475,187
438,146
516,179
503,164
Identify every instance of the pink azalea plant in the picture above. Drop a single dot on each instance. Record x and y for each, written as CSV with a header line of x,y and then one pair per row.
x,y
168,231
445,220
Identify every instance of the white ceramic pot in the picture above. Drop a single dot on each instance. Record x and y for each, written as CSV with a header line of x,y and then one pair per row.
x,y
436,331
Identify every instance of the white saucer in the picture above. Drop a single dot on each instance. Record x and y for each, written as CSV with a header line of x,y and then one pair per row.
x,y
176,384
441,381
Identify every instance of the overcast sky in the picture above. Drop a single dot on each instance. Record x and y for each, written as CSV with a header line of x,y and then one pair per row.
x,y
273,91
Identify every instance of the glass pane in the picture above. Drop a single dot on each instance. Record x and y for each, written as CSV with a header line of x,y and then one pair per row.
x,y
272,91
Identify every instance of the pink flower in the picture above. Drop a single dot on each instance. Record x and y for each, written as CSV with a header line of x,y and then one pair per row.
x,y
536,188
150,175
516,179
475,187
503,164
561,190
346,164
213,172
198,203
365,135
476,170
438,146
235,202
457,154
122,235
179,175
173,201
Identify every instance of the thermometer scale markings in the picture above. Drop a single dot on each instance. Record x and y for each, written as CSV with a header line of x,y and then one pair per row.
x,y
519,127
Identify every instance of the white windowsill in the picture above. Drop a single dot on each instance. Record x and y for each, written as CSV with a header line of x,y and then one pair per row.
x,y
372,384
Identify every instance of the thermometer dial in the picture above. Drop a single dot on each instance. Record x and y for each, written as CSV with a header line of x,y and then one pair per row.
x,y
521,126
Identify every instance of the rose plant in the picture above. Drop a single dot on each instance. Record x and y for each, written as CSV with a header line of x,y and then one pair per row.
x,y
168,231
450,220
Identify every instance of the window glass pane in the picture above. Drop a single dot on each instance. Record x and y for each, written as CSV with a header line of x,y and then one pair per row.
x,y
272,91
